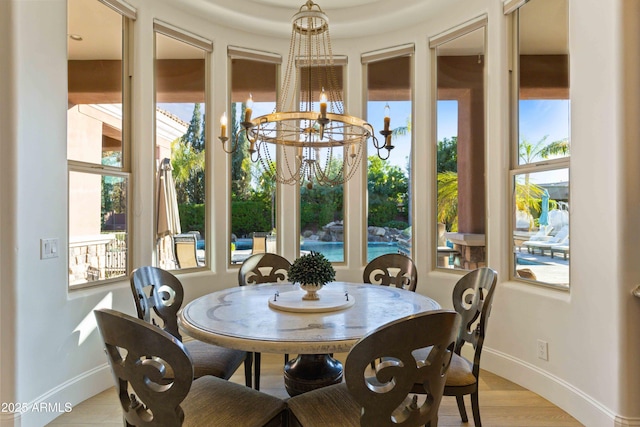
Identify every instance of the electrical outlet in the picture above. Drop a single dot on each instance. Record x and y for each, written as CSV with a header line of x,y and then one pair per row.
x,y
543,350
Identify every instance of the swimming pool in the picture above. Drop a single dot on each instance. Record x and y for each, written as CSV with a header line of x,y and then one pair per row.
x,y
334,251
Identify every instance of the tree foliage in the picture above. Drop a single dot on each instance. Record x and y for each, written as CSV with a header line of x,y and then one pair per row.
x,y
388,188
447,209
448,155
531,152
320,205
240,160
529,195
188,159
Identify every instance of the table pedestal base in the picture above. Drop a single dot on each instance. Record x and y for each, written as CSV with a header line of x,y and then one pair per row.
x,y
311,371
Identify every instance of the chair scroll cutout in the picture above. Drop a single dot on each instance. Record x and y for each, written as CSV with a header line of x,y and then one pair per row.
x,y
386,399
160,301
147,395
263,268
392,269
472,297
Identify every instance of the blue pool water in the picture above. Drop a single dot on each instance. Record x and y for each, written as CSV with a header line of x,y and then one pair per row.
x,y
334,251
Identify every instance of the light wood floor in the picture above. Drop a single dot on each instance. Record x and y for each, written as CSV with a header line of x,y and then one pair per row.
x,y
502,403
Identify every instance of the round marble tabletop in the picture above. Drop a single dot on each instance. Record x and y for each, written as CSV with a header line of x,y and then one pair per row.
x,y
241,318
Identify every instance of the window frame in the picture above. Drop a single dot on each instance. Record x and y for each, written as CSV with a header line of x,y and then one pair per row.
x,y
166,29
404,50
434,42
128,16
511,8
237,52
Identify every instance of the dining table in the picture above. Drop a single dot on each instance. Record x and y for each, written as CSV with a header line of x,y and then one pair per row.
x,y
273,318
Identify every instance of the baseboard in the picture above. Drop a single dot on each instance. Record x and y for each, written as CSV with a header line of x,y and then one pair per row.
x,y
570,399
61,399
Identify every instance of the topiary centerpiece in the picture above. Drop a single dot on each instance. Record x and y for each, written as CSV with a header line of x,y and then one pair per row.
x,y
312,271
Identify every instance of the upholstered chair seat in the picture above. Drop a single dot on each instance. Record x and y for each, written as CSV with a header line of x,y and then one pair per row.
x,y
213,360
460,372
331,406
216,402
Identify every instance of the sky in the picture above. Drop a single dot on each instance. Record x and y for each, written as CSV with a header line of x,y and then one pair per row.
x,y
537,119
544,117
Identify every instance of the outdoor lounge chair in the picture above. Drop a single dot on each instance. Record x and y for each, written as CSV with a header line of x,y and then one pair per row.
x,y
562,238
259,244
560,249
185,247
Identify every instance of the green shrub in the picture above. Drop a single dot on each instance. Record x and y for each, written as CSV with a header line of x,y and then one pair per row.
x,y
250,216
398,225
192,218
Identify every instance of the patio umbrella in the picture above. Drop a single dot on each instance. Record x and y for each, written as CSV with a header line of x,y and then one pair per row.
x,y
544,209
167,215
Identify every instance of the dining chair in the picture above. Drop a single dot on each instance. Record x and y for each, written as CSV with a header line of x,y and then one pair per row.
x,y
263,268
386,399
472,299
141,355
392,269
158,296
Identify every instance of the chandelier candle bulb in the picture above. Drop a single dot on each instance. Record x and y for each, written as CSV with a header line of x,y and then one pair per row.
x,y
248,110
323,104
223,125
387,118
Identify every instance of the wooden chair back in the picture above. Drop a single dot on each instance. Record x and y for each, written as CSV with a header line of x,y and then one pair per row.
x,y
385,398
158,296
472,299
263,268
148,397
392,269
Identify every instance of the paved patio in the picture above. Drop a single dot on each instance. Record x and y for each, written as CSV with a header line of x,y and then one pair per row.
x,y
549,270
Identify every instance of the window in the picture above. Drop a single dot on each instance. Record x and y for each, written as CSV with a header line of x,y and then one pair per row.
x,y
181,63
322,206
389,84
541,143
253,193
460,146
98,140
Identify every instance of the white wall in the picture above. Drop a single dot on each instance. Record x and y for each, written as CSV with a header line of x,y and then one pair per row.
x,y
592,332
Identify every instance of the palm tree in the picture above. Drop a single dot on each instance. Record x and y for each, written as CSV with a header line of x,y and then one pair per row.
x,y
528,195
448,199
530,153
402,130
186,162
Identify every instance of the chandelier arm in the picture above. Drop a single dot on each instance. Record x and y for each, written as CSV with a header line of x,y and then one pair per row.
x,y
234,145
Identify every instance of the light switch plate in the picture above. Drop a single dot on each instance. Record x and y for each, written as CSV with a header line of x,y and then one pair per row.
x,y
49,248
